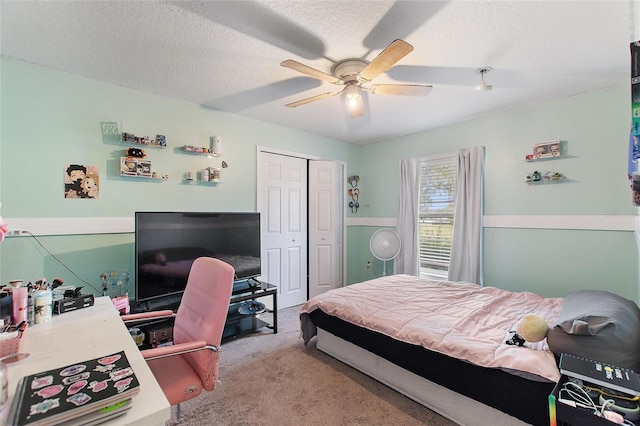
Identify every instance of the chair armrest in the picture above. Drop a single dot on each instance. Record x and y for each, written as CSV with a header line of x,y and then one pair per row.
x,y
179,349
147,315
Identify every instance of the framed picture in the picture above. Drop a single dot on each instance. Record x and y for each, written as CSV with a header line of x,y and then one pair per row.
x,y
546,149
81,181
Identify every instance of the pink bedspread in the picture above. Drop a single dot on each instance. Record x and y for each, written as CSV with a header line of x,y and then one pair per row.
x,y
462,320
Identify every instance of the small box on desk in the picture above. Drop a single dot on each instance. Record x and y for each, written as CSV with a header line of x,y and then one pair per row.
x,y
72,303
600,381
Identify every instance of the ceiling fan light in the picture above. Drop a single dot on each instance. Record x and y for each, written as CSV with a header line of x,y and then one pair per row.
x,y
353,96
353,100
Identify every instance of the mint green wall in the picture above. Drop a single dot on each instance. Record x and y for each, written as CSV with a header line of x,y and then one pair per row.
x,y
50,118
358,238
595,127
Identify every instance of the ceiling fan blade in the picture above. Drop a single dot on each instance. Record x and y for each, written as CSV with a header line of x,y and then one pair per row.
x,y
400,89
397,50
305,69
313,99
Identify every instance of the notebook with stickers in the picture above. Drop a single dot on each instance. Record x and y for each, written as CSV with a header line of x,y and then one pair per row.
x,y
87,392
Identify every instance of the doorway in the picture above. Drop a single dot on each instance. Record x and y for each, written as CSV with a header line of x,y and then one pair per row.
x,y
300,199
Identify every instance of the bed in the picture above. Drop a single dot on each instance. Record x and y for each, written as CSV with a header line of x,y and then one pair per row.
x,y
443,344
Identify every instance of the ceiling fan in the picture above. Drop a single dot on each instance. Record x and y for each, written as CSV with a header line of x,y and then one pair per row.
x,y
355,75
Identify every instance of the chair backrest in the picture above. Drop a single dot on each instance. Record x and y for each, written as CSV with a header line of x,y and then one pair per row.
x,y
203,312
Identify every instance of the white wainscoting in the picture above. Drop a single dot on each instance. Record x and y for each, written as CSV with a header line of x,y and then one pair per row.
x,y
584,222
70,225
119,225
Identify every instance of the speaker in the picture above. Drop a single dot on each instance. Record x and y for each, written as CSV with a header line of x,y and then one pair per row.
x,y
217,145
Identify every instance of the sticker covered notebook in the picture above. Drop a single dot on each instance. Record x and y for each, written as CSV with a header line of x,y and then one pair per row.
x,y
62,394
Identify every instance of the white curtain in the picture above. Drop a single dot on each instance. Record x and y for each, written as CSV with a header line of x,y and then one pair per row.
x,y
407,224
466,249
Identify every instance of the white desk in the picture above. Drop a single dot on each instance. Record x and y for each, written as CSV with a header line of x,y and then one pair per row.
x,y
86,334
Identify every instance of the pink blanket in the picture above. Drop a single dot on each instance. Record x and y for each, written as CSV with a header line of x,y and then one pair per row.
x,y
462,320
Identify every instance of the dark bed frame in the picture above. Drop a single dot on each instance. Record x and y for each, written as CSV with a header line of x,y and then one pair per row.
x,y
524,399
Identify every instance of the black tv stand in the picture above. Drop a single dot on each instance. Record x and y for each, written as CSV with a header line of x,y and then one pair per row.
x,y
237,323
247,291
167,302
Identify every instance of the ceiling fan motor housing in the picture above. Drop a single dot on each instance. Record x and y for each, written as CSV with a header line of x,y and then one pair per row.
x,y
348,70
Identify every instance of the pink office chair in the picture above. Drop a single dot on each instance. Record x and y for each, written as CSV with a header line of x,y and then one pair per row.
x,y
191,363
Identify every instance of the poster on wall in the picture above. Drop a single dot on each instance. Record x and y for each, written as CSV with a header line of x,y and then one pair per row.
x,y
81,181
634,136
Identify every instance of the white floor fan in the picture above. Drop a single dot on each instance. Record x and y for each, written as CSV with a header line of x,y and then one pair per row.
x,y
385,245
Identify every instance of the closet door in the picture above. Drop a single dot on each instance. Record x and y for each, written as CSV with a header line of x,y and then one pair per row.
x,y
282,202
325,227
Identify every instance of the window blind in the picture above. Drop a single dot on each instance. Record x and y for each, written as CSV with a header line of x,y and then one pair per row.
x,y
436,210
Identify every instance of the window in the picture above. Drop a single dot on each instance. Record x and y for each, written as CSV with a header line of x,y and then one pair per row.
x,y
436,209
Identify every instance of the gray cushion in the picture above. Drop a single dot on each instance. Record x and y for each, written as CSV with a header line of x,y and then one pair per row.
x,y
598,325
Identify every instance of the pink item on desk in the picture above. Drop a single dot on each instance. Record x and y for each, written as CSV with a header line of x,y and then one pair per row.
x,y
19,305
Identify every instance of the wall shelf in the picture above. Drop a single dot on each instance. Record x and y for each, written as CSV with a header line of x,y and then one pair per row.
x,y
535,160
201,182
145,178
546,181
197,150
559,157
159,142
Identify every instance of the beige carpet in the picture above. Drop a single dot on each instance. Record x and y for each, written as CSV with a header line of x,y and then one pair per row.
x,y
273,379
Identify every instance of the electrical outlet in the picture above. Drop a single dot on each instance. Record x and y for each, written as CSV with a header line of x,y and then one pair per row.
x,y
368,264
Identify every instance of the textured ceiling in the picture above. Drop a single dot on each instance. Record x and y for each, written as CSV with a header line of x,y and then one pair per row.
x,y
226,54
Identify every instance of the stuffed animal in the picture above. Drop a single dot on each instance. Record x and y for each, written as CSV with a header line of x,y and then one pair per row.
x,y
136,152
532,328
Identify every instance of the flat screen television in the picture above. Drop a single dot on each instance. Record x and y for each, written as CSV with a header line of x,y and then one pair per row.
x,y
167,243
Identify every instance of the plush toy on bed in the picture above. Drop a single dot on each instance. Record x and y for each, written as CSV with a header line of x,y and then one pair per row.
x,y
532,328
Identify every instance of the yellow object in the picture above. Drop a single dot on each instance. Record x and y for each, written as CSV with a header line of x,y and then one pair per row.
x,y
533,328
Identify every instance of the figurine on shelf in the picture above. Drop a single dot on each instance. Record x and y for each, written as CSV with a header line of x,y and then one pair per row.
x,y
539,152
553,176
136,152
534,177
188,176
